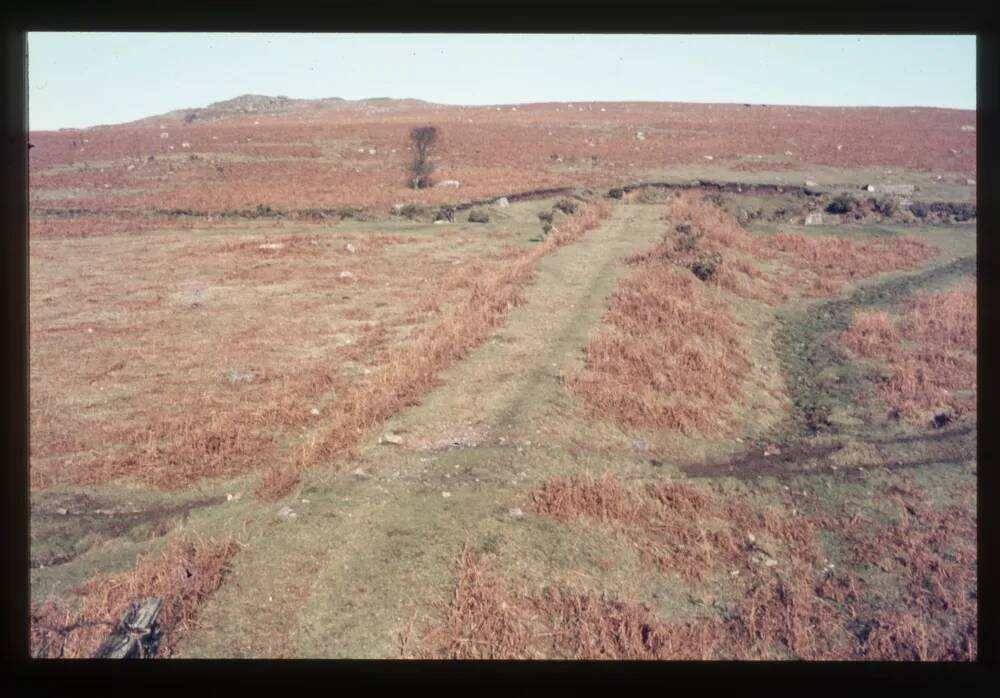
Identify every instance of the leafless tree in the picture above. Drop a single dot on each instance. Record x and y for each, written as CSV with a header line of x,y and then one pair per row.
x,y
421,167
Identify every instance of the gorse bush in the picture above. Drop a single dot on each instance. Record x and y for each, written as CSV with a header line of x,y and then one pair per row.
x,y
566,206
842,203
479,216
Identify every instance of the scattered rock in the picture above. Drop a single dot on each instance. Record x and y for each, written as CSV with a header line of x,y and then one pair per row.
x,y
314,412
814,219
185,144
446,494
709,157
640,136
810,183
502,202
448,183
346,275
391,438
61,511
240,376
286,513
516,512
271,246
351,248
770,562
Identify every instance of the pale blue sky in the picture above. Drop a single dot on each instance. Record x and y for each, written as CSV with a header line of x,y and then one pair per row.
x,y
84,79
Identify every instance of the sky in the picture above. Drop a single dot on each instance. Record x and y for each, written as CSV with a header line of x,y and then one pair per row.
x,y
76,80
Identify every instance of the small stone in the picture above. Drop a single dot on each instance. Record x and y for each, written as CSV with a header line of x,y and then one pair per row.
x,y
351,248
770,562
446,494
346,275
286,513
305,501
61,511
516,512
751,537
392,438
314,411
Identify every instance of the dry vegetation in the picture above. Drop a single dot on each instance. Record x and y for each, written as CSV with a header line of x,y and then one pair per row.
x,y
185,371
182,577
930,351
671,355
796,608
410,370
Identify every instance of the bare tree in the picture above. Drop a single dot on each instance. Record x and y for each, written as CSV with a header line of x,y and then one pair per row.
x,y
420,168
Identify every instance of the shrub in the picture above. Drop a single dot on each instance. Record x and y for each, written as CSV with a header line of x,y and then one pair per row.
x,y
919,209
616,193
445,213
705,267
412,211
479,216
546,229
688,241
961,212
843,203
566,206
886,206
545,216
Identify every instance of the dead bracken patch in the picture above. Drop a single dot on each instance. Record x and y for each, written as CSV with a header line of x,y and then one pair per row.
x,y
935,371
820,265
670,357
679,528
182,576
797,609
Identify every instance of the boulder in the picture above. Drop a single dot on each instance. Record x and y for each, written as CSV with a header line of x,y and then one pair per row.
x,y
502,202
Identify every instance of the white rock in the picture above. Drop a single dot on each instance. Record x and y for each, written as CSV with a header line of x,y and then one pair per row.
x,y
640,136
968,127
351,248
314,411
286,513
185,144
810,183
271,246
446,494
391,438
502,202
709,157
516,512
448,183
346,275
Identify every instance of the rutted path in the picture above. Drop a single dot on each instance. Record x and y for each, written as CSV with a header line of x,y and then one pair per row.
x,y
370,541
